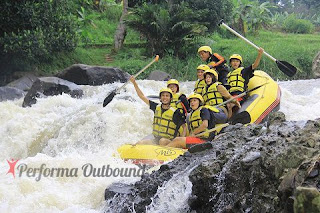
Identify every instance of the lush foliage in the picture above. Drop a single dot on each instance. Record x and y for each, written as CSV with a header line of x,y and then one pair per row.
x,y
98,21
251,15
294,25
166,30
171,27
280,45
34,30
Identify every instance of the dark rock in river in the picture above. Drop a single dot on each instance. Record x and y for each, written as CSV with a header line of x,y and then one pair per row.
x,y
93,75
159,76
49,86
24,83
257,168
10,93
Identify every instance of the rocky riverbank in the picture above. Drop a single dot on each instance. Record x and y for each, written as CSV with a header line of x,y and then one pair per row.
x,y
272,167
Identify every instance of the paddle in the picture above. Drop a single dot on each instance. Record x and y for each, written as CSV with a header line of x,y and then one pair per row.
x,y
284,66
111,95
153,96
211,130
240,95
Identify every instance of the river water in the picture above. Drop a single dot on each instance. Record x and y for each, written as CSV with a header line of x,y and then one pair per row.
x,y
80,136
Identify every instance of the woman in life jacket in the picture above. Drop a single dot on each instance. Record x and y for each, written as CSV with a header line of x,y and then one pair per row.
x,y
166,121
215,61
179,100
215,93
200,83
239,77
202,118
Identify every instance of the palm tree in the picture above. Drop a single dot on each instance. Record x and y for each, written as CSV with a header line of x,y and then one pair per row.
x,y
239,14
259,15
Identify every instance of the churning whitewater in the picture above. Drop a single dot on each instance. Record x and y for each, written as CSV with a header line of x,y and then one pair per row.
x,y
67,133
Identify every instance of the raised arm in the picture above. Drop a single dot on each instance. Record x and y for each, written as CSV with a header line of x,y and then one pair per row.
x,y
139,92
257,61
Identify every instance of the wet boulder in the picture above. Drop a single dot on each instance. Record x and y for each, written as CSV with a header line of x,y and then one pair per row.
x,y
10,93
82,74
159,76
49,86
24,83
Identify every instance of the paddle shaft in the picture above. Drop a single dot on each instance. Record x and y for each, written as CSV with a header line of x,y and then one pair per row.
x,y
240,95
246,40
138,73
111,95
211,130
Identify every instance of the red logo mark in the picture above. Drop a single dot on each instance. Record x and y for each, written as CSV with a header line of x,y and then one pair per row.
x,y
12,165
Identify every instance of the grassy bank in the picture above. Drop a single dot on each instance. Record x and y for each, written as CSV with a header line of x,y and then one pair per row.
x,y
297,49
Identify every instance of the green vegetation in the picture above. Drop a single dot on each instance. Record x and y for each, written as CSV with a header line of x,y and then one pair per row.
x,y
298,50
294,25
33,31
170,28
174,35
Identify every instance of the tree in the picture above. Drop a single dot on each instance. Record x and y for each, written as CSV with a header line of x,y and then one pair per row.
x,y
121,29
171,26
33,30
259,15
167,31
239,15
251,15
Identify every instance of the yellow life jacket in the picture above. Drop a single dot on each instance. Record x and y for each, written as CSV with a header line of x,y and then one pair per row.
x,y
211,96
195,121
200,84
236,81
163,125
174,101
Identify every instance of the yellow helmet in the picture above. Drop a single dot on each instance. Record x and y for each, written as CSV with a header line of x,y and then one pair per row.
x,y
195,95
173,81
236,56
212,71
165,89
203,67
205,48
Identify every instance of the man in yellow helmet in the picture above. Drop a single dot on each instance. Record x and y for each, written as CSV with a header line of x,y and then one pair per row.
x,y
216,61
202,118
166,121
239,77
200,83
179,99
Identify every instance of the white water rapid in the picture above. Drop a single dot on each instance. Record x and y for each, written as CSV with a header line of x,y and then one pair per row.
x,y
63,132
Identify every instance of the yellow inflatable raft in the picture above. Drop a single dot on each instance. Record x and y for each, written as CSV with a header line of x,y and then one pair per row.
x,y
149,154
259,102
255,109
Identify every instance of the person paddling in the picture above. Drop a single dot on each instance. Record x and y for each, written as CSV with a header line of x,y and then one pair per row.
x,y
214,93
216,61
202,118
200,83
239,77
166,121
